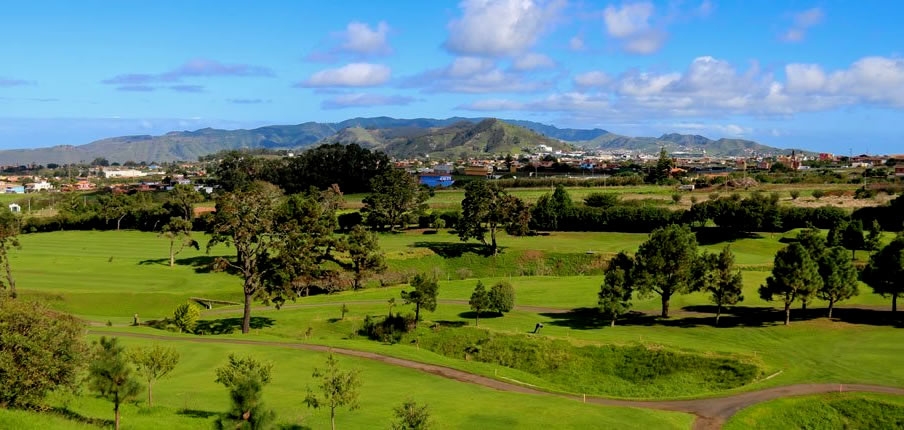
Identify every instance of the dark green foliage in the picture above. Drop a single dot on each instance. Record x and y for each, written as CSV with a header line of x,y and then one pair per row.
x,y
885,271
590,369
363,250
245,379
395,194
549,208
486,209
665,263
501,297
890,217
839,277
852,237
617,218
39,351
722,280
411,416
422,296
874,237
479,302
110,374
601,200
818,194
616,292
349,220
9,239
351,167
795,276
661,172
389,329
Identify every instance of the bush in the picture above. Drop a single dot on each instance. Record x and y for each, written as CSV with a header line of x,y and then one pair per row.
x,y
795,194
818,194
502,297
451,218
390,329
185,317
349,220
39,351
864,193
601,200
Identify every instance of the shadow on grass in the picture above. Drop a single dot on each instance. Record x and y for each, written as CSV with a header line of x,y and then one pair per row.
x,y
732,316
230,325
714,235
454,324
201,263
292,427
75,416
452,250
488,315
195,413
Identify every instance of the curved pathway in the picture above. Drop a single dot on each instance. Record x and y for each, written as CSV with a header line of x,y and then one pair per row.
x,y
711,413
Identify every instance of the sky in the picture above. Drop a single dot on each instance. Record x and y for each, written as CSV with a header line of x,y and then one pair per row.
x,y
821,75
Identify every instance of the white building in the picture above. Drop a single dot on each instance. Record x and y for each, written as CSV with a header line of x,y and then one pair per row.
x,y
123,173
38,186
14,208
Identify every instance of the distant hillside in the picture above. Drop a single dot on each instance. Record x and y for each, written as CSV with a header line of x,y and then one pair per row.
x,y
461,139
674,142
450,137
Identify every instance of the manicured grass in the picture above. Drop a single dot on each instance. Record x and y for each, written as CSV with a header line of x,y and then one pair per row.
x,y
828,411
189,398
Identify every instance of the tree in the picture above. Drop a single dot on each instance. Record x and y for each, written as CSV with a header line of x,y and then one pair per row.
x,y
852,237
885,271
110,374
480,301
874,238
153,363
811,239
363,249
395,194
663,168
834,238
839,277
338,389
40,351
795,194
343,310
185,317
183,197
501,297
550,207
245,379
411,416
115,207
178,230
676,198
247,219
665,263
818,194
722,280
9,238
617,288
422,296
485,209
100,161
794,275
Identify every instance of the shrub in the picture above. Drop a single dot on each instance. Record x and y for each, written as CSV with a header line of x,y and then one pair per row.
x,y
601,200
451,218
818,194
185,317
502,297
389,329
795,194
349,220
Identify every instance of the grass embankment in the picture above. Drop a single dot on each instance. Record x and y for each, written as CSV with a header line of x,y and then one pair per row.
x,y
829,411
190,399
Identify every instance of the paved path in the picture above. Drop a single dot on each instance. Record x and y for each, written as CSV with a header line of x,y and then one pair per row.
x,y
711,413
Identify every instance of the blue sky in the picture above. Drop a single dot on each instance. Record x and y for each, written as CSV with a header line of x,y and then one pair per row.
x,y
824,75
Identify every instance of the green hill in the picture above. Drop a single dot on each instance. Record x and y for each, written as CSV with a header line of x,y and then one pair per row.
x,y
674,143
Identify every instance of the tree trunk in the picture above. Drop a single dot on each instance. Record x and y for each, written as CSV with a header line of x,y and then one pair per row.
x,y
493,240
612,324
118,221
665,305
246,317
417,313
172,256
116,416
333,418
718,313
477,319
831,306
803,305
787,313
150,394
894,303
853,254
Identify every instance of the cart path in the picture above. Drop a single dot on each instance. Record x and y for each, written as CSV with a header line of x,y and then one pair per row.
x,y
711,413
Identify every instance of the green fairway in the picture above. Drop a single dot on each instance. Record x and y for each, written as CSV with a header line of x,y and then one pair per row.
x,y
828,411
189,398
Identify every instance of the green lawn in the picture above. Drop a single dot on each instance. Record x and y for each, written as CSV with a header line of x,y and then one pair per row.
x,y
189,398
827,411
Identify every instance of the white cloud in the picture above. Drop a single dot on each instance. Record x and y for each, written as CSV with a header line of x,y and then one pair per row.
x,y
533,61
630,24
350,75
576,43
359,38
500,28
473,75
594,79
364,100
803,21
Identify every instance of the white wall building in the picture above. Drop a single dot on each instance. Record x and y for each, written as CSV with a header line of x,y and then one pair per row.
x,y
123,173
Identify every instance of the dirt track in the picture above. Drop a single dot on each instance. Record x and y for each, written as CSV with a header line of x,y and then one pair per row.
x,y
711,413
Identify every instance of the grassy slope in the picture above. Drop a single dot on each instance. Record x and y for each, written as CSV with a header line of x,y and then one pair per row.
x,y
828,411
454,405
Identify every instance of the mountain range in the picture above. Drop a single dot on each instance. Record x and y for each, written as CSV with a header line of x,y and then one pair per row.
x,y
446,138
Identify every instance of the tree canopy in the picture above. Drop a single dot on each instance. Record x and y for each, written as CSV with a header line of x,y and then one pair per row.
x,y
794,276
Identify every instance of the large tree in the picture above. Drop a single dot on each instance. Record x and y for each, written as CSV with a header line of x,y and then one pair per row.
x,y
363,250
115,206
794,275
852,237
338,389
40,351
183,198
722,280
501,297
247,220
111,375
178,231
152,363
394,195
885,271
486,209
550,208
839,277
665,264
617,288
9,239
423,296
479,301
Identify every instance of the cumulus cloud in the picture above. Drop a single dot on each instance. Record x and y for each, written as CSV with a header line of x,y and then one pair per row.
x,y
499,28
191,69
474,75
358,40
532,61
630,24
365,100
350,75
711,87
803,21
576,43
